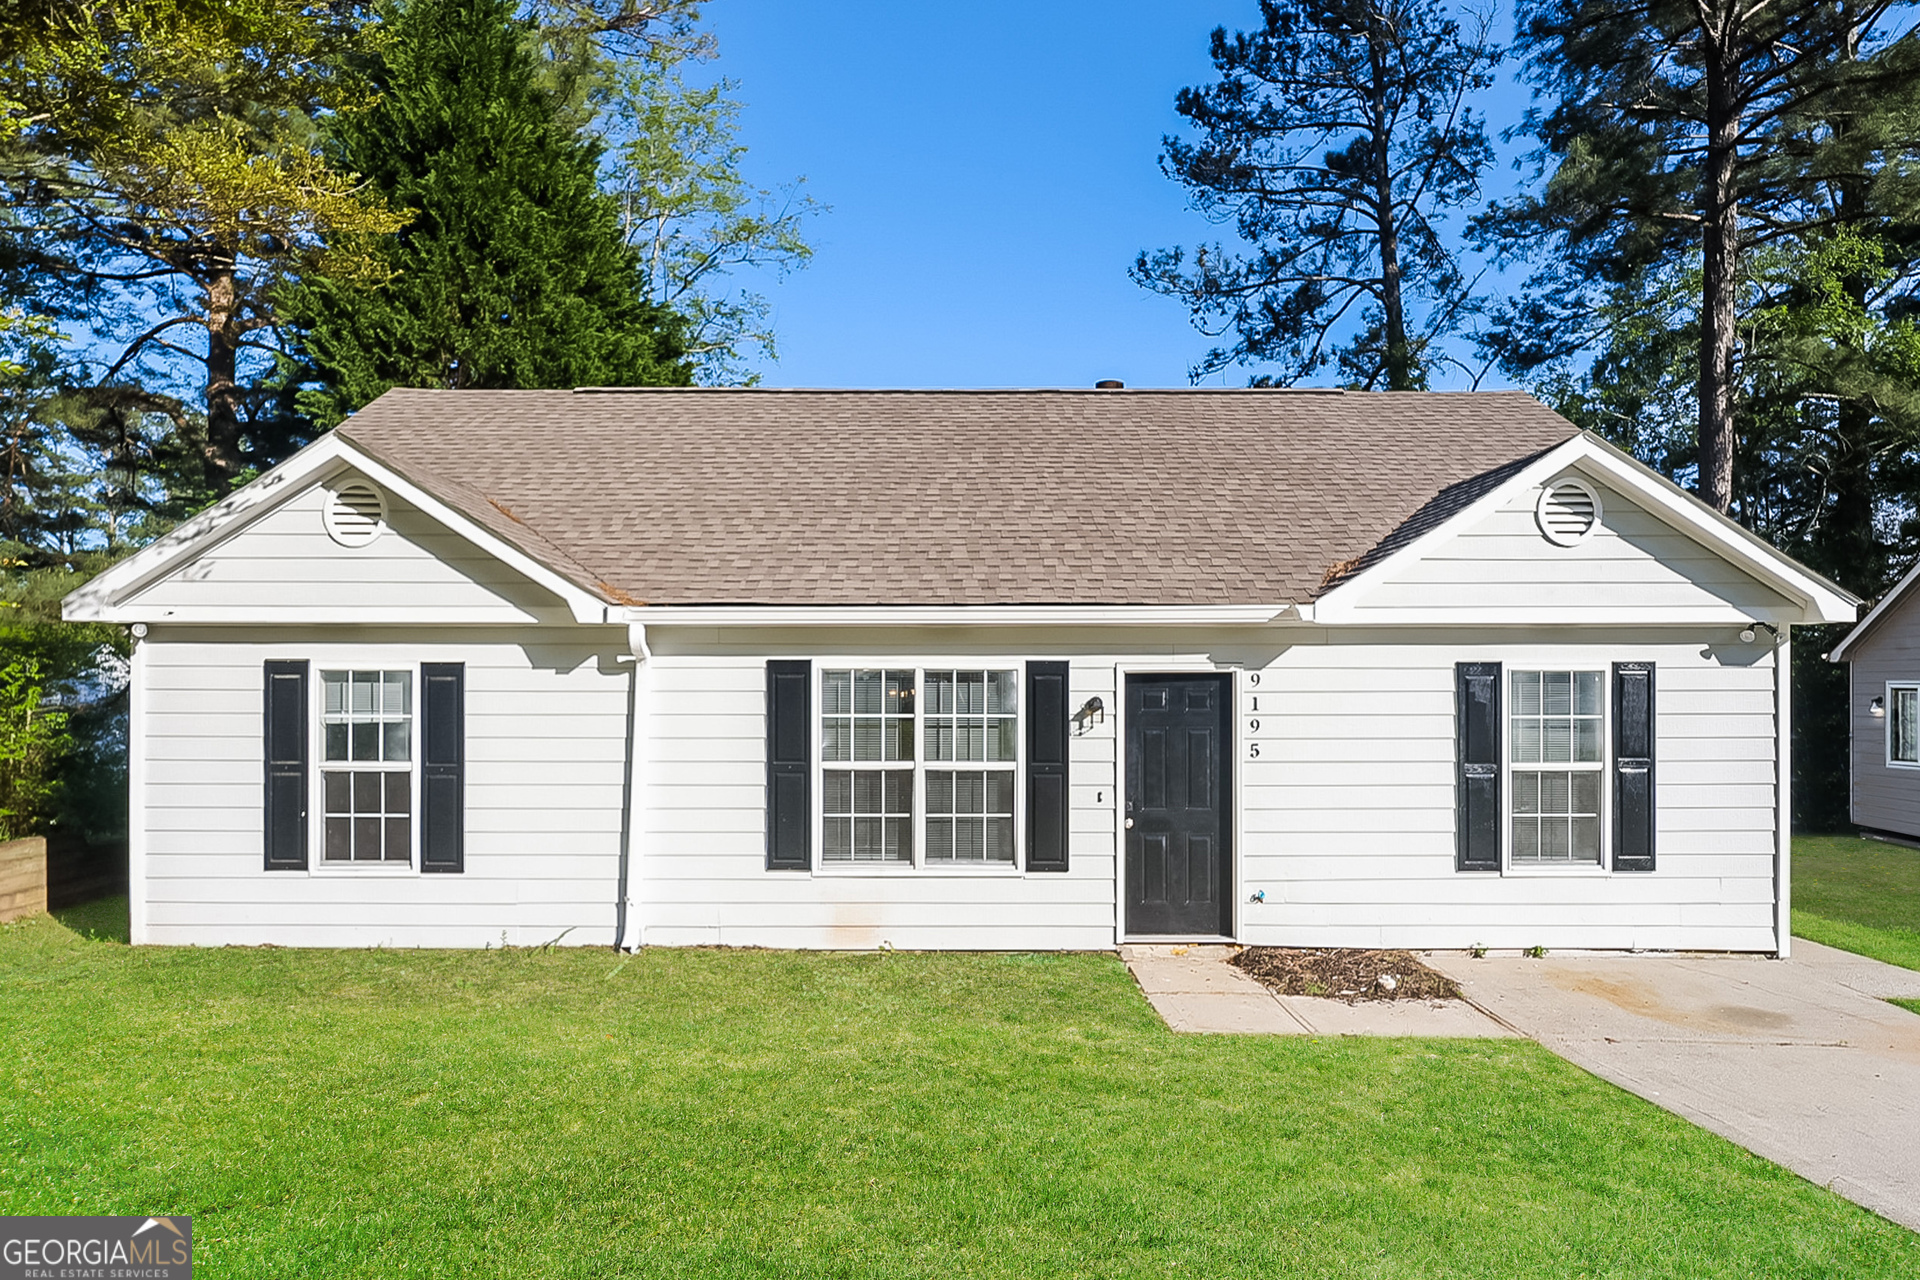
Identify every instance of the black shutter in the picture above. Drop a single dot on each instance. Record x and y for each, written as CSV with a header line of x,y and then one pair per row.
x,y
1046,766
789,765
1633,766
1477,726
443,766
285,751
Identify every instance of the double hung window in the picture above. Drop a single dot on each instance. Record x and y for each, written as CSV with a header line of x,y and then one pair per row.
x,y
1556,740
1903,724
919,766
366,769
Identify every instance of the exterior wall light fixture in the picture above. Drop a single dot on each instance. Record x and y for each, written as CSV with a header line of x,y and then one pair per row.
x,y
1878,707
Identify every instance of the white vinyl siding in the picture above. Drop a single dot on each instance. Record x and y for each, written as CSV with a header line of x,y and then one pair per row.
x,y
545,741
1632,567
285,560
1344,818
704,878
1348,812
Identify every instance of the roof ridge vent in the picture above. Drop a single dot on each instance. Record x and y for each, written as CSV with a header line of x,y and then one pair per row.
x,y
356,512
1568,511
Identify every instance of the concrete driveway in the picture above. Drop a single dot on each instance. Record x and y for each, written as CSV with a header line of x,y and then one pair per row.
x,y
1801,1061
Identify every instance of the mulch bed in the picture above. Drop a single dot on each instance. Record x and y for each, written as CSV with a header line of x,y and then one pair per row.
x,y
1345,973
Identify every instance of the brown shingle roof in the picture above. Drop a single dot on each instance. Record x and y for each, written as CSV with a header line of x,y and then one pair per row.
x,y
950,497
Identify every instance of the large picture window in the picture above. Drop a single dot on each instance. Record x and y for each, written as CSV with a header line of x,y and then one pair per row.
x,y
1903,724
366,769
919,767
1556,739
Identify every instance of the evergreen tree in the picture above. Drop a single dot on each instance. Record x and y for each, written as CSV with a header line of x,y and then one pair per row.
x,y
1681,136
513,271
1336,139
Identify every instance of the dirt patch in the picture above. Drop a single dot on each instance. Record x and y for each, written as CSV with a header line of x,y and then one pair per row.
x,y
1345,973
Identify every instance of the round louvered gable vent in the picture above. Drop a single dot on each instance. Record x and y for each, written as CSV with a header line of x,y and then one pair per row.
x,y
1569,512
356,512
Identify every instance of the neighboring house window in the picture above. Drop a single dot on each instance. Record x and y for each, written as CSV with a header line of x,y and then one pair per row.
x,y
366,771
918,767
1555,738
1903,724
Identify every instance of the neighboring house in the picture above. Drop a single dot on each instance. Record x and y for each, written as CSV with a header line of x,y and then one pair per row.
x,y
1883,713
1048,669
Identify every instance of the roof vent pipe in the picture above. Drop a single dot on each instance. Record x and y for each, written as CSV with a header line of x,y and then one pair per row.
x,y
1109,384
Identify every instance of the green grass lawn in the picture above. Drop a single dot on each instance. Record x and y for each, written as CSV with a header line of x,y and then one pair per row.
x,y
1859,895
770,1114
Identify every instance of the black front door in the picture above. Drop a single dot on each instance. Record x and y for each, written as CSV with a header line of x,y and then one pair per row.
x,y
1179,835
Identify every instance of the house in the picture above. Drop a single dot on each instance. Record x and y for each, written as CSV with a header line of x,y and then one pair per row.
x,y
1883,713
1025,669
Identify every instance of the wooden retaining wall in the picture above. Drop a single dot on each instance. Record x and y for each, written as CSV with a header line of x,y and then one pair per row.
x,y
23,878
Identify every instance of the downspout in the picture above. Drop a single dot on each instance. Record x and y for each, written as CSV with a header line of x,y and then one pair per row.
x,y
626,929
1783,793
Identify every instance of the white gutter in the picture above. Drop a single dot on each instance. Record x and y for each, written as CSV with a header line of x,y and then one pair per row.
x,y
947,615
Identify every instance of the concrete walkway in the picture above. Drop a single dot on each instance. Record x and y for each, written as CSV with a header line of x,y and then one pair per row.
x,y
1801,1061
1194,989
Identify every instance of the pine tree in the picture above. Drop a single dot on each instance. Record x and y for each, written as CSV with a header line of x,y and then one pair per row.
x,y
1336,139
1683,135
513,271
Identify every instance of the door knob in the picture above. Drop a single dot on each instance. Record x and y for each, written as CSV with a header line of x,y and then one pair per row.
x,y
1129,824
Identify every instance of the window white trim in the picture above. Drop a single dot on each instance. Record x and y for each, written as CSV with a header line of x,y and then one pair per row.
x,y
1895,687
317,863
1509,867
918,866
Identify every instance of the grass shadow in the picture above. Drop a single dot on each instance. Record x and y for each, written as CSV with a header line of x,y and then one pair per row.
x,y
102,920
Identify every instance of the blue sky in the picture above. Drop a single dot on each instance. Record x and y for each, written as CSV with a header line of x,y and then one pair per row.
x,y
992,171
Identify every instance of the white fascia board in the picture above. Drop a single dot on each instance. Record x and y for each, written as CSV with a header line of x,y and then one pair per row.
x,y
1652,616
1844,649
300,615
1820,601
101,598
1825,601
952,615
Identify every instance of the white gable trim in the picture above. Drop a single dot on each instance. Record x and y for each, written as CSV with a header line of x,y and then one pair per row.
x,y
1820,600
103,598
1844,650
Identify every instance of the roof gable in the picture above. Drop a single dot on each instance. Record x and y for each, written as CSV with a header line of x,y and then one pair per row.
x,y
1656,555
1894,610
180,576
284,565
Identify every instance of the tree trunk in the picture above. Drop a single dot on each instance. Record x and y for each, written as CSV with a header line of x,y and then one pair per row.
x,y
221,458
1720,268
1399,358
